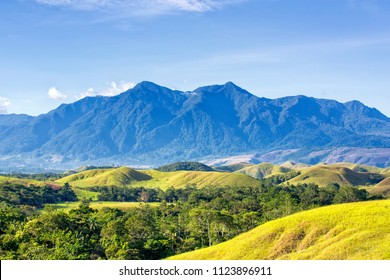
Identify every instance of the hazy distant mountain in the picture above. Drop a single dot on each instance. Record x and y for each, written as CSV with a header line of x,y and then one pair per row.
x,y
153,125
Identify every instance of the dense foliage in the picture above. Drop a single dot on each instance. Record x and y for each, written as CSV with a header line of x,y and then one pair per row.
x,y
189,166
16,194
186,219
35,176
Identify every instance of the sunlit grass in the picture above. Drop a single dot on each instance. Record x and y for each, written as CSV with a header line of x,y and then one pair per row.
x,y
24,182
323,175
348,231
154,178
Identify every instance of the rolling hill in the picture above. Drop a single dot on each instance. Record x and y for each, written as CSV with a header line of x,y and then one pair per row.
x,y
125,176
323,175
121,176
382,188
262,170
24,182
232,167
386,172
358,167
354,231
294,166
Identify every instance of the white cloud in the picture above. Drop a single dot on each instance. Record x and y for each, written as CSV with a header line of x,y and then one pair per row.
x,y
112,90
141,7
55,94
4,104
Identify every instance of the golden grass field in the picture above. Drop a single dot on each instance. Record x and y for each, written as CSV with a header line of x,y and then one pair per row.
x,y
354,231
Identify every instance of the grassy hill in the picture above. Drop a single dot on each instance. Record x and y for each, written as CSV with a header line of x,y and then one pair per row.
x,y
358,167
121,176
179,179
386,172
323,175
262,170
233,167
337,232
294,166
125,176
24,182
185,165
382,188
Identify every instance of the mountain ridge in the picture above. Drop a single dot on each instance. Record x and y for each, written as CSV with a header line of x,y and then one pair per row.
x,y
156,125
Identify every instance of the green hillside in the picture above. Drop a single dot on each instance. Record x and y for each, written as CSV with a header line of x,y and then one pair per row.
x,y
386,172
262,170
233,167
179,179
322,175
24,182
125,176
358,167
294,165
383,188
357,231
121,176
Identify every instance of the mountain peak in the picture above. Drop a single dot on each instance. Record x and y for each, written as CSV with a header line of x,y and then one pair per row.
x,y
151,124
228,87
147,85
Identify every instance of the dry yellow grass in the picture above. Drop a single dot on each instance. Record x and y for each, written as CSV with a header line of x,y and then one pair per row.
x,y
355,231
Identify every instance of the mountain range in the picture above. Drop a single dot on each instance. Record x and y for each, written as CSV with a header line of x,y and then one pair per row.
x,y
153,125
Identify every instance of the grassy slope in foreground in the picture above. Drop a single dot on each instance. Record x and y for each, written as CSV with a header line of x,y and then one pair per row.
x,y
346,231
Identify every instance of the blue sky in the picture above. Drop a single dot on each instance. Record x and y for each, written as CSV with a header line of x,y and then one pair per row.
x,y
57,51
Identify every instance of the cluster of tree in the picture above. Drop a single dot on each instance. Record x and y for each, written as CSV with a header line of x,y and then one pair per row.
x,y
17,194
308,195
36,176
186,165
277,179
129,194
198,217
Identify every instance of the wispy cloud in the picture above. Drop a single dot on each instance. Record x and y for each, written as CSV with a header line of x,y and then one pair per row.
x,y
141,7
4,104
55,94
112,90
